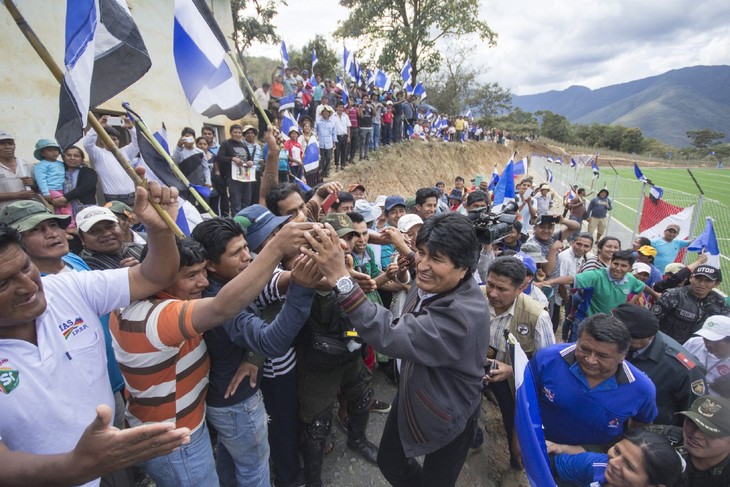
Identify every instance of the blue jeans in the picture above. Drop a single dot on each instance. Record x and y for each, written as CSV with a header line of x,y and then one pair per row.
x,y
192,464
243,445
366,137
376,137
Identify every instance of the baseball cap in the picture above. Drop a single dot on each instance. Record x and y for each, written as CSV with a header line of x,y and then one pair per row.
x,y
641,267
392,201
4,135
119,208
711,414
641,322
340,222
259,223
91,215
533,250
712,273
407,222
673,268
647,250
380,200
528,261
369,212
26,214
715,328
674,226
355,186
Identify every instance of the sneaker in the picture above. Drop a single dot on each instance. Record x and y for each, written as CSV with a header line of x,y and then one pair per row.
x,y
379,407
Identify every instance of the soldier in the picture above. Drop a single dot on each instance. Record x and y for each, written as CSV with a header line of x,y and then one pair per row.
x,y
706,434
677,374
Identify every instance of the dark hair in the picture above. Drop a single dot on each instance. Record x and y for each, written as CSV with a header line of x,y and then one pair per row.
x,y
627,255
9,236
77,148
188,131
587,235
281,192
190,250
201,138
661,461
112,132
208,128
339,103
425,193
343,197
476,196
643,241
605,240
215,234
452,235
517,226
458,178
510,267
605,328
233,127
356,217
266,85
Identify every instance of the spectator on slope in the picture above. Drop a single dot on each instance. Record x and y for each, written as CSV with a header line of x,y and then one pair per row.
x,y
308,137
366,114
326,131
544,199
343,127
353,111
597,213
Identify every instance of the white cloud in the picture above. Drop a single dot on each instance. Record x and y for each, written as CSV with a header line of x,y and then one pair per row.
x,y
555,44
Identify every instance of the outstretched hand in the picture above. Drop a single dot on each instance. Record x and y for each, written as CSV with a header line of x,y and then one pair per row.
x,y
323,247
305,272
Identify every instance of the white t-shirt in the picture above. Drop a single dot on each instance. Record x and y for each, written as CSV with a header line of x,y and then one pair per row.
x,y
49,392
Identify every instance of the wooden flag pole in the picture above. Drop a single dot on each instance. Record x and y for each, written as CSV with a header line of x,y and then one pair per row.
x,y
255,100
45,56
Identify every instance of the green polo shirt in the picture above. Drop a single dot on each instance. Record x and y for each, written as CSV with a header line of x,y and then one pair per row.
x,y
607,293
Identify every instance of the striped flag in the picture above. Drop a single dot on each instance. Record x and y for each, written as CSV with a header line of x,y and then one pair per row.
x,y
549,175
200,48
284,54
521,167
288,122
310,160
504,192
405,73
640,175
495,179
706,243
160,136
314,61
558,161
104,54
595,169
287,103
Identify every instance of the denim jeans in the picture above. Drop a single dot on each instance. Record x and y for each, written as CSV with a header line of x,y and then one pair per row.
x,y
366,136
192,464
376,137
243,445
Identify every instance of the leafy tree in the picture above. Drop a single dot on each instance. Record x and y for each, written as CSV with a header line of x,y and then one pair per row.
x,y
517,122
490,100
632,141
704,138
452,85
554,126
327,60
258,27
409,29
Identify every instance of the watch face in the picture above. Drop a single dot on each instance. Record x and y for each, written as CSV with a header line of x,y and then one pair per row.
x,y
344,285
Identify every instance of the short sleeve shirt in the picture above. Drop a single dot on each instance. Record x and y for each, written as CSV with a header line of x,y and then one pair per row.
x,y
607,293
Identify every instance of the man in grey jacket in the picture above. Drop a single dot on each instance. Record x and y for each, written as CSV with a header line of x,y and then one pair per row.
x,y
441,339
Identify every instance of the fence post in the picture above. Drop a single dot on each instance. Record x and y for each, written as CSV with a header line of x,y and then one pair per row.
x,y
610,216
638,213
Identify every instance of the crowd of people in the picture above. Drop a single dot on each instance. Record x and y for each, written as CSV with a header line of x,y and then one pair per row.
x,y
121,345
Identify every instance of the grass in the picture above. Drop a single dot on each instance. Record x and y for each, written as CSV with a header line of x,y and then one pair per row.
x,y
714,182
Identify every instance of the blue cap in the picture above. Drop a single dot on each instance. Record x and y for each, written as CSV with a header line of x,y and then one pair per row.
x,y
259,223
455,195
528,261
392,201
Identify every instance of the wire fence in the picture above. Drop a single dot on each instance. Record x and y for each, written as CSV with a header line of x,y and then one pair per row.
x,y
632,206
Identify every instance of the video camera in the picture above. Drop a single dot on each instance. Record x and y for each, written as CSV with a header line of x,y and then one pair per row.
x,y
491,227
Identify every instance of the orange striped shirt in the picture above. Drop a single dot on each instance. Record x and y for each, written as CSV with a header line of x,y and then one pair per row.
x,y
164,362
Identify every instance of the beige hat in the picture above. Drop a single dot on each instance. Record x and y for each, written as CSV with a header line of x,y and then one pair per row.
x,y
406,222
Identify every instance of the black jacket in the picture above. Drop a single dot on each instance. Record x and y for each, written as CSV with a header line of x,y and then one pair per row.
x,y
85,190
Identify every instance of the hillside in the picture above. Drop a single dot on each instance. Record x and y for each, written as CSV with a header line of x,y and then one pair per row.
x,y
664,107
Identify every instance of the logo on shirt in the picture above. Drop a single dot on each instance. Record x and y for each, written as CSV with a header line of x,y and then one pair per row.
x,y
614,423
548,394
9,379
523,329
70,328
698,387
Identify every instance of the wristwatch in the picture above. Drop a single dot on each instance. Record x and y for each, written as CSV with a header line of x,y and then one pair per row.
x,y
343,285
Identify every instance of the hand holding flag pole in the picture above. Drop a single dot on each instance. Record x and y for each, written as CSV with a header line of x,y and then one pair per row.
x,y
160,150
45,56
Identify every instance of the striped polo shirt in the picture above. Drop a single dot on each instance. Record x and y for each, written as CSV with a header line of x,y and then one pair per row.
x,y
164,361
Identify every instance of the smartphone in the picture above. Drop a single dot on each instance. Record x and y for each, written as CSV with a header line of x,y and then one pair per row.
x,y
115,121
328,202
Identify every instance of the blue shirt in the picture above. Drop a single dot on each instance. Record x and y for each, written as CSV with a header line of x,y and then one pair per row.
x,y
666,252
583,468
50,175
573,413
326,133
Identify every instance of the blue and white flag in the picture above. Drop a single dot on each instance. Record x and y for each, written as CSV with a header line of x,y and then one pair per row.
x,y
311,156
160,136
381,80
104,54
706,243
640,175
405,73
594,168
548,174
200,48
558,161
284,54
550,159
343,88
314,61
287,103
655,194
504,192
347,60
495,179
572,162
468,113
528,422
303,185
288,122
521,166
419,91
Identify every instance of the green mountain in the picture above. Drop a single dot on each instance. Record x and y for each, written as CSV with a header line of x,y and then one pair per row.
x,y
664,107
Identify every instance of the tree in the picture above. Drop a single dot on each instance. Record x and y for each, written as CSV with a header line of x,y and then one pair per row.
x,y
704,138
409,29
517,122
452,85
490,100
248,28
554,126
632,141
328,62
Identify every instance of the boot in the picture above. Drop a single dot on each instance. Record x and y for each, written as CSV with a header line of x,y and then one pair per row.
x,y
315,439
356,438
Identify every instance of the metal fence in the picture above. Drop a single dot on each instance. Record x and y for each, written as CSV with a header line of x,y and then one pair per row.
x,y
628,197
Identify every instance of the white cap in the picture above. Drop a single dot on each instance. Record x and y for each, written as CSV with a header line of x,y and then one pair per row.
x,y
715,328
380,200
641,267
406,222
88,217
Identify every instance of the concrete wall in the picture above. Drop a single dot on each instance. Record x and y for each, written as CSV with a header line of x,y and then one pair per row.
x,y
29,93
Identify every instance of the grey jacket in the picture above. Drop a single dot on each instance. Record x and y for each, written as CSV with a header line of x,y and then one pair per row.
x,y
443,347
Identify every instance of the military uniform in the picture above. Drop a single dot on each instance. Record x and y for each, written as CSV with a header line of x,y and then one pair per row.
x,y
717,476
681,314
676,373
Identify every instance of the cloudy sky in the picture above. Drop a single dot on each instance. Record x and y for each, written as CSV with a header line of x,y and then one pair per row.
x,y
544,45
